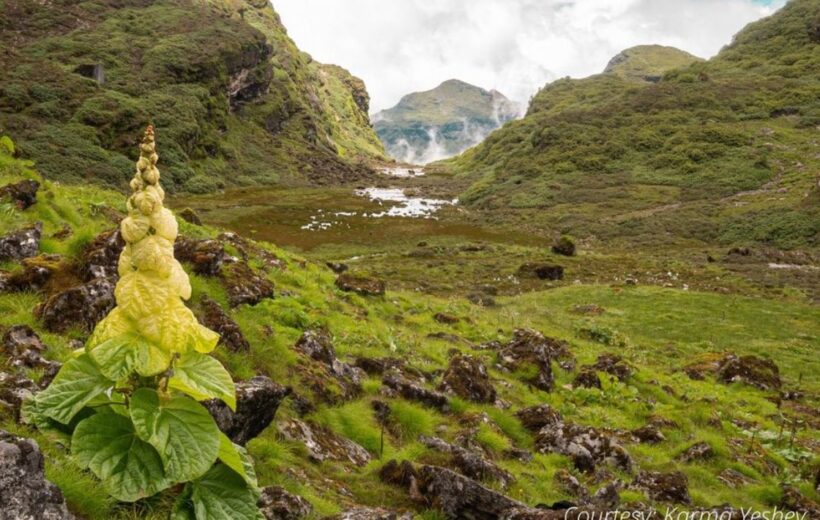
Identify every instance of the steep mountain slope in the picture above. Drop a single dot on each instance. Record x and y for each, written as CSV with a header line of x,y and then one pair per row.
x,y
719,151
442,122
237,98
648,62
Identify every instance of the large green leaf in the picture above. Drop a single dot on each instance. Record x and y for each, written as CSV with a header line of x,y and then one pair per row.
x,y
221,494
236,458
120,356
130,468
203,377
181,430
78,382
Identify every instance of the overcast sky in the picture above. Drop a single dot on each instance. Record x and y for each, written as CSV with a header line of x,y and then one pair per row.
x,y
515,46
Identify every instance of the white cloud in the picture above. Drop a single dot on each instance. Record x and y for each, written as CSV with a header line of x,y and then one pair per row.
x,y
515,46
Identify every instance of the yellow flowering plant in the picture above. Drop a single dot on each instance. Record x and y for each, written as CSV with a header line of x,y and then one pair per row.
x,y
130,398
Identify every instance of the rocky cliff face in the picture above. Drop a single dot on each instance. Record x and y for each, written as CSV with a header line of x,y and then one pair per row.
x,y
443,122
242,101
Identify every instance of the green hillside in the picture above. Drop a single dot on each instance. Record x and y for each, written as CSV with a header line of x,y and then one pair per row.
x,y
237,99
648,62
723,151
642,399
442,122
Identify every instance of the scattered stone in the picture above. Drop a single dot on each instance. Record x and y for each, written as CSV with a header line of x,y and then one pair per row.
x,y
83,306
447,319
216,319
322,444
22,194
401,474
37,271
469,463
102,255
587,378
519,455
699,451
467,377
245,286
369,513
21,244
414,391
571,485
541,271
378,366
793,500
614,365
607,497
246,248
530,347
733,478
664,487
190,216
15,389
564,247
337,267
23,348
318,346
205,256
361,285
648,434
257,400
483,300
458,496
752,370
706,364
24,491
278,504
63,233
586,445
535,418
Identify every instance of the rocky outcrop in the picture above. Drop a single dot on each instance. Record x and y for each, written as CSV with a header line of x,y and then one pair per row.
x,y
245,285
101,256
729,368
460,497
370,513
361,285
23,348
664,487
541,271
257,400
22,194
322,444
587,378
613,365
468,378
35,275
205,256
752,370
585,445
413,390
531,348
276,503
25,494
564,247
468,462
648,434
317,346
82,306
21,244
696,452
535,418
215,318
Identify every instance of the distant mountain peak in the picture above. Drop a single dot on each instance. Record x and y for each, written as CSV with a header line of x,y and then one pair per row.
x,y
442,122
